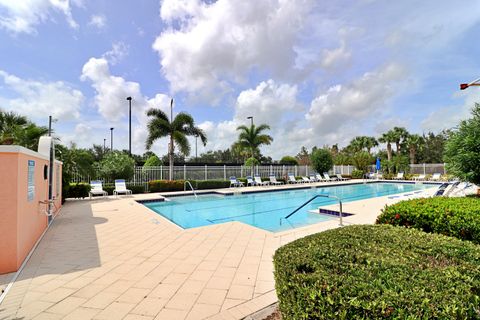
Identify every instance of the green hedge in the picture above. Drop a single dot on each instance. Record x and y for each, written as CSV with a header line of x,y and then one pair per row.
x,y
211,184
357,174
136,189
165,185
77,190
378,272
456,217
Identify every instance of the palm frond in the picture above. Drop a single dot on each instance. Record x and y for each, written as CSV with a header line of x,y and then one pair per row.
x,y
157,113
182,142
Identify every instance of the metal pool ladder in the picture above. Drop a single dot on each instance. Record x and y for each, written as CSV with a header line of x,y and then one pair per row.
x,y
313,198
185,187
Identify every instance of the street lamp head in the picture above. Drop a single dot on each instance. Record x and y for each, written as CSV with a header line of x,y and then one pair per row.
x,y
249,117
129,98
111,128
463,86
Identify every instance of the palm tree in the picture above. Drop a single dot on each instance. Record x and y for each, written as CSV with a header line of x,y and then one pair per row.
x,y
251,138
369,143
10,126
388,138
414,143
400,135
177,130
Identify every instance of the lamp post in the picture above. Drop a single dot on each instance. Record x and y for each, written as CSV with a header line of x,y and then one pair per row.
x,y
464,86
251,120
196,136
111,139
104,142
129,99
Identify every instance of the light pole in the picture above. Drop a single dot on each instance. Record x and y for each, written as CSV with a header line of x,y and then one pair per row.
x,y
111,139
251,120
104,142
196,136
129,125
464,86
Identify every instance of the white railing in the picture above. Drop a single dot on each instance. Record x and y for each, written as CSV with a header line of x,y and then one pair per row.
x,y
142,175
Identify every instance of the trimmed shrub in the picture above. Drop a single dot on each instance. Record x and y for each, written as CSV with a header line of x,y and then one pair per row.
x,y
289,160
211,184
357,174
117,165
78,190
378,272
322,160
165,185
456,217
136,189
153,161
252,162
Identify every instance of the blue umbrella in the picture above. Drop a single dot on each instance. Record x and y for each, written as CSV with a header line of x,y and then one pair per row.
x,y
378,165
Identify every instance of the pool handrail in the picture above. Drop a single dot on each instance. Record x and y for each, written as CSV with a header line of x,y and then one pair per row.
x,y
191,187
313,198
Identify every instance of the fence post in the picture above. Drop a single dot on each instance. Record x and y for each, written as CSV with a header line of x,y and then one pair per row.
x,y
296,170
184,172
424,168
444,169
271,170
241,170
161,172
306,170
224,172
206,175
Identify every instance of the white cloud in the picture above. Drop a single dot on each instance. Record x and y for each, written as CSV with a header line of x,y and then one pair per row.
x,y
118,52
270,103
334,58
450,116
98,21
23,16
341,106
217,43
39,99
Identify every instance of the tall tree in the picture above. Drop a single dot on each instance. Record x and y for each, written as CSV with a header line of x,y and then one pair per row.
x,y
303,156
177,130
251,138
414,143
400,135
388,138
362,142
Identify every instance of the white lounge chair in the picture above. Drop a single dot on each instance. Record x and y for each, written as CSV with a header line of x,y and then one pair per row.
x,y
379,175
436,177
328,178
313,178
306,179
250,181
258,180
319,177
292,179
273,180
97,189
420,177
121,188
339,177
234,182
399,176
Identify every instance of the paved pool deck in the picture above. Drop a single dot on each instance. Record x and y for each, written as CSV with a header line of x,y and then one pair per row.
x,y
113,258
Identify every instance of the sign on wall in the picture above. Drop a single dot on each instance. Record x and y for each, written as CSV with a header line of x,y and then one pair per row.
x,y
31,180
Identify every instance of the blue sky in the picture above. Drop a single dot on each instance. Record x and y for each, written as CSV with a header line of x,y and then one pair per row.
x,y
318,72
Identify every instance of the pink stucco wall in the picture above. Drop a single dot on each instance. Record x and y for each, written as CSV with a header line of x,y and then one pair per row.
x,y
21,221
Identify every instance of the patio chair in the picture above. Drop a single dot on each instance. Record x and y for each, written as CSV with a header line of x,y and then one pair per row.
x,y
121,188
420,177
339,177
306,179
328,178
250,181
319,177
273,180
436,177
292,179
97,189
313,178
258,180
399,176
441,190
379,175
234,182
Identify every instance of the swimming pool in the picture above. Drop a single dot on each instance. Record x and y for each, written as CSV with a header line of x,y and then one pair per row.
x,y
265,209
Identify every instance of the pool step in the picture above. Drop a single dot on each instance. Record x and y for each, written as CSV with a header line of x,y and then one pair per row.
x,y
330,213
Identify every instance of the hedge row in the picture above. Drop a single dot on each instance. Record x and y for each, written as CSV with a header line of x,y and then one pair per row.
x,y
378,272
456,217
178,185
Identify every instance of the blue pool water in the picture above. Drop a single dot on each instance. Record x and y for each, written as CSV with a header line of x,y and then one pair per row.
x,y
264,210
